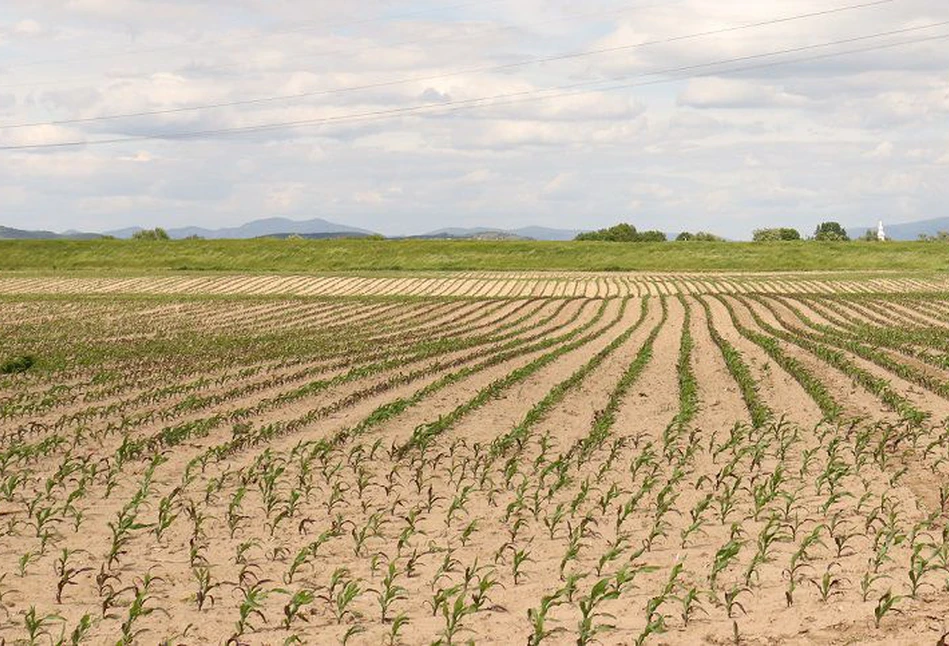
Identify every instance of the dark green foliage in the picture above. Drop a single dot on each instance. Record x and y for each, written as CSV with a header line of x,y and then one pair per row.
x,y
16,365
830,232
652,236
622,232
151,234
783,234
698,236
941,236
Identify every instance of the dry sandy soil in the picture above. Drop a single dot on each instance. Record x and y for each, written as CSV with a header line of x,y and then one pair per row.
x,y
510,459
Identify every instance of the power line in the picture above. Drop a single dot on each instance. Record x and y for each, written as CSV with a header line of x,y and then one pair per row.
x,y
476,70
294,29
400,43
507,99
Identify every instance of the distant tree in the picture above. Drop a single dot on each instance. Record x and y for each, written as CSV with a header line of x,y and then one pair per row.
x,y
870,236
705,236
830,232
623,232
194,237
620,233
652,236
783,234
941,236
699,236
151,234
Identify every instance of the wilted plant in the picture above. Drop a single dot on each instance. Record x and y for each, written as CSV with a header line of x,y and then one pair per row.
x,y
67,574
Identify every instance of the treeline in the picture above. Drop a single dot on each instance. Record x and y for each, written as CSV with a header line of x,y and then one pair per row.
x,y
627,233
622,233
825,232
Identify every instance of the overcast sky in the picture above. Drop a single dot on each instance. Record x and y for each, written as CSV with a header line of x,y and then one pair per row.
x,y
462,113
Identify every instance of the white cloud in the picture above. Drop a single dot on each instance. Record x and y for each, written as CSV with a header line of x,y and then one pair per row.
x,y
736,93
858,136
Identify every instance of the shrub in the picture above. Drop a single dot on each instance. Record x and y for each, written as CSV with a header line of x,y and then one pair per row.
x,y
151,234
652,236
783,234
830,232
620,233
623,232
17,365
699,236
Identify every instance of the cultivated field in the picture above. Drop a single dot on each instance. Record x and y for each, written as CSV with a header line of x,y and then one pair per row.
x,y
488,457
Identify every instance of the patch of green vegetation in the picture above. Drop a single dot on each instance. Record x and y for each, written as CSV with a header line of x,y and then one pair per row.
x,y
16,365
317,256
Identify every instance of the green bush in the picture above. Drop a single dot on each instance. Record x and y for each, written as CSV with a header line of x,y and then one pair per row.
x,y
699,236
17,365
831,232
622,232
151,234
783,234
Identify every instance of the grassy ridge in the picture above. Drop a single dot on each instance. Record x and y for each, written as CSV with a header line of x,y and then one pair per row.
x,y
295,256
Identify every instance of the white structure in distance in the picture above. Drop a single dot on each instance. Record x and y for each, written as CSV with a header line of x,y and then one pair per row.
x,y
881,232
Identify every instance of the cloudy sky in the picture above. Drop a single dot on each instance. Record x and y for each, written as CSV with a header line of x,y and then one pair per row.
x,y
403,116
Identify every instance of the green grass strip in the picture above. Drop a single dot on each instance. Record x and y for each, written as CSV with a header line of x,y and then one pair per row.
x,y
688,385
396,407
814,387
759,411
876,385
426,433
604,421
881,359
517,435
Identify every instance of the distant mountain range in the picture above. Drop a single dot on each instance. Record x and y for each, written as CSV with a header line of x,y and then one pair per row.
x,y
524,233
254,229
907,231
316,228
8,233
319,228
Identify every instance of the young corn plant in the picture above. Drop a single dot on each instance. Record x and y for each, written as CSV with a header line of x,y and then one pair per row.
x,y
249,609
66,573
206,586
591,617
292,609
37,626
725,556
138,610
390,592
885,605
829,585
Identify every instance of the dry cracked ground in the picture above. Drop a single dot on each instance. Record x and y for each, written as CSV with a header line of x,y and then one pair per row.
x,y
489,458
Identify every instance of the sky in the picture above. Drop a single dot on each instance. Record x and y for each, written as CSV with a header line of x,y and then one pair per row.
x,y
404,116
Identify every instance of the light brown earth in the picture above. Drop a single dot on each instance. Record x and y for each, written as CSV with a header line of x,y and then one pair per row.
x,y
517,447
